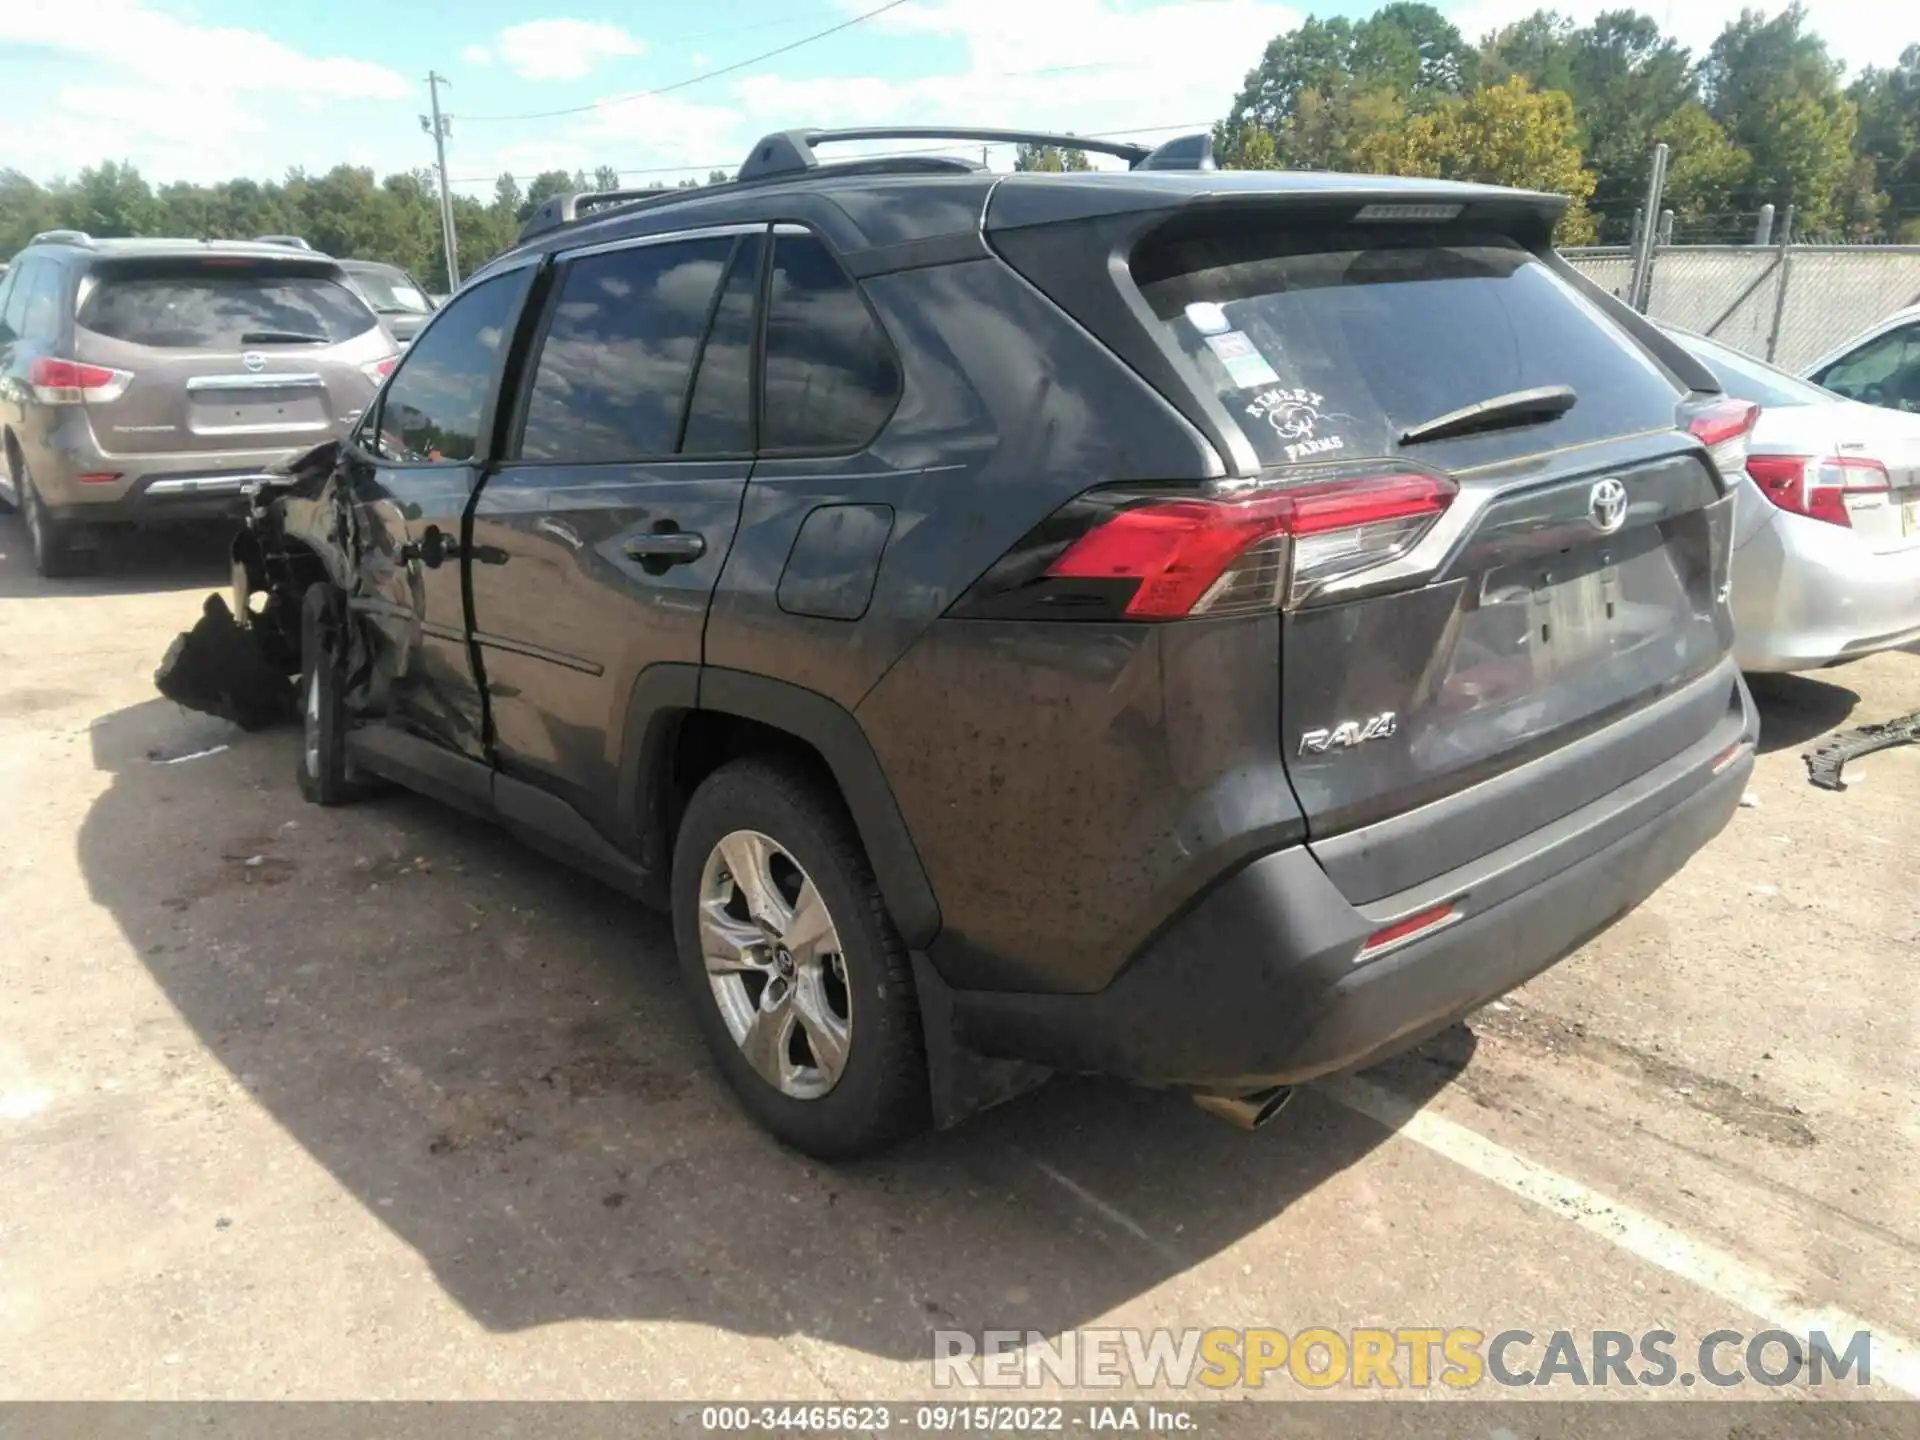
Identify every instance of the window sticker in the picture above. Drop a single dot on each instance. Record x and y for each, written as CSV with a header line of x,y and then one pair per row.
x,y
1296,418
1244,365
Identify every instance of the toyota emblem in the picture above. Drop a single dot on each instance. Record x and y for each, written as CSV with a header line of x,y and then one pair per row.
x,y
1607,505
254,361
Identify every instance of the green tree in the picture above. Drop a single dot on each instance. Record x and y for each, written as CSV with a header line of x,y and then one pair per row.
x,y
1888,135
109,200
1505,134
25,210
605,177
1051,158
506,195
1772,85
1538,48
1705,170
543,187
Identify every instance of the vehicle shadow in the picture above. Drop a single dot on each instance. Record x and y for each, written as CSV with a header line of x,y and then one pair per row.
x,y
491,1055
134,563
1795,709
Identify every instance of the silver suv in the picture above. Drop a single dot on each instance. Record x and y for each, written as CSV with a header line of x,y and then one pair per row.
x,y
149,381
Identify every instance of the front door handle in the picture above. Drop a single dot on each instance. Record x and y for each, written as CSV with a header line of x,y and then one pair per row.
x,y
662,549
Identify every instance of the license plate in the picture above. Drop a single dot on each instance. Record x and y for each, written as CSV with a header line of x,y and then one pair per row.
x,y
1571,621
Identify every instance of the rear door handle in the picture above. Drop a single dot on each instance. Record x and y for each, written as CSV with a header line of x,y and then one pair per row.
x,y
663,548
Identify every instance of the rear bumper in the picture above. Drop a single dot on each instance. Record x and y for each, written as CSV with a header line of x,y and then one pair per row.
x,y
1257,984
158,497
1808,594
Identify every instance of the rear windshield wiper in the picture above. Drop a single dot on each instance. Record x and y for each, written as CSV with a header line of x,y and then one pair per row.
x,y
282,337
1502,412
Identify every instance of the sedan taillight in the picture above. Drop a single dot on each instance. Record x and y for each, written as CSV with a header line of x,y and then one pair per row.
x,y
1818,486
68,382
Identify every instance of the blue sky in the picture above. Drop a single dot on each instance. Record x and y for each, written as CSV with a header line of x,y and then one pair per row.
x,y
208,89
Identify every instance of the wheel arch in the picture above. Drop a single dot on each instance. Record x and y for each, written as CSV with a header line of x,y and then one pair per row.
x,y
683,721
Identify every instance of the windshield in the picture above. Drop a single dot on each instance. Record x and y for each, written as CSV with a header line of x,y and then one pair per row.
x,y
390,291
1327,342
1749,379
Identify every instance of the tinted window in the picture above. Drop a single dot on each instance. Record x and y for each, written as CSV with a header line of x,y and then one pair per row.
x,y
6,290
1746,378
720,414
831,379
432,408
619,350
1884,371
1326,344
202,305
31,312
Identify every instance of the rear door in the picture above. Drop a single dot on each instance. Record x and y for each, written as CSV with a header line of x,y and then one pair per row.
x,y
411,473
1576,576
598,541
227,354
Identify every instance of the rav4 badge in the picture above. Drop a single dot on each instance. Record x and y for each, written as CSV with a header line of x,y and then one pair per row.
x,y
1349,733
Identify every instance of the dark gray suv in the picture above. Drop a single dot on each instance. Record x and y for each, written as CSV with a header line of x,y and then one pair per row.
x,y
1208,629
145,381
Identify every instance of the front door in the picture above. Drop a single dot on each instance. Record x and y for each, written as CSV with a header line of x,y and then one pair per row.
x,y
412,473
599,538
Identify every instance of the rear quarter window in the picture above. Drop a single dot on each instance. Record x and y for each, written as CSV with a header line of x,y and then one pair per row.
x,y
205,306
1327,344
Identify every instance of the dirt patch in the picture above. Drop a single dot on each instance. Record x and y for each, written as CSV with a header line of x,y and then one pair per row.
x,y
1743,1110
588,1076
30,700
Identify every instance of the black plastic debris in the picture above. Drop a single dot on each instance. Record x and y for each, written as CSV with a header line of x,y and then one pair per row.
x,y
218,669
1826,760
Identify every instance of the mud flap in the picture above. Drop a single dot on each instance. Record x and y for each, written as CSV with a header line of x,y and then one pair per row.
x,y
962,1082
218,668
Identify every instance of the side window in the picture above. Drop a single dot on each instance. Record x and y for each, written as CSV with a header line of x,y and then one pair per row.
x,y
22,277
40,297
831,376
720,411
432,409
619,351
1884,371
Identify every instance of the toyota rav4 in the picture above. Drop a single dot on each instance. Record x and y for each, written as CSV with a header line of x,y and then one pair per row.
x,y
1207,629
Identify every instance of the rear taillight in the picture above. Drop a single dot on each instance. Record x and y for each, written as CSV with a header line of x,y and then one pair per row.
x,y
378,370
68,382
1818,487
1725,427
1142,557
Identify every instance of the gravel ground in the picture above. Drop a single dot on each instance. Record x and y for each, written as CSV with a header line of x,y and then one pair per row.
x,y
373,1102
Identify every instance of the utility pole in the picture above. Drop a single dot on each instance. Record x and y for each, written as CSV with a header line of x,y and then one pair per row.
x,y
1642,292
438,126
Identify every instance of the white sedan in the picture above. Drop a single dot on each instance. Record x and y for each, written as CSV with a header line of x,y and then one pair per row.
x,y
1826,560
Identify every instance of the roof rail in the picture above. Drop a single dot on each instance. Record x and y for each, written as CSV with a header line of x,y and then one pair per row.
x,y
293,242
62,237
563,210
790,152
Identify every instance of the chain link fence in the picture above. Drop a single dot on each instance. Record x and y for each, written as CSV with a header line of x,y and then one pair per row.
x,y
1788,303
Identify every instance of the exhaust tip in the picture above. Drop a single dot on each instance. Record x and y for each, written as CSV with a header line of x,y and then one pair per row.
x,y
1249,1111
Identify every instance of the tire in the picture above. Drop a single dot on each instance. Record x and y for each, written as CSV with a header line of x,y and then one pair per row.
x,y
810,981
12,468
54,557
327,776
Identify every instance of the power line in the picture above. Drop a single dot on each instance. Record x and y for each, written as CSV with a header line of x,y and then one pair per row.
x,y
704,75
729,165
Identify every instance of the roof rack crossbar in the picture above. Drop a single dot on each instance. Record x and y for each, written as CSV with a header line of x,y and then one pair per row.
x,y
790,152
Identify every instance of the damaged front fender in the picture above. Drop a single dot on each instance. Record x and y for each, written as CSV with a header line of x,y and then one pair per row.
x,y
240,658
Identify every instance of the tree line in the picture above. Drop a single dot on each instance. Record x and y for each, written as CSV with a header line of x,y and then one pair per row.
x,y
1761,118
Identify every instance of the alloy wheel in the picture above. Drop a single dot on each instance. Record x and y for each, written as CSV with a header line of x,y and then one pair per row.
x,y
774,959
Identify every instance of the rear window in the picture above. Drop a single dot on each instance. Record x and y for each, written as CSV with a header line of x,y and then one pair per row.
x,y
1327,344
205,306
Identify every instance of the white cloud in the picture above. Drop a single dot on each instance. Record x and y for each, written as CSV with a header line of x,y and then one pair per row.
x,y
563,49
477,55
181,100
129,36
